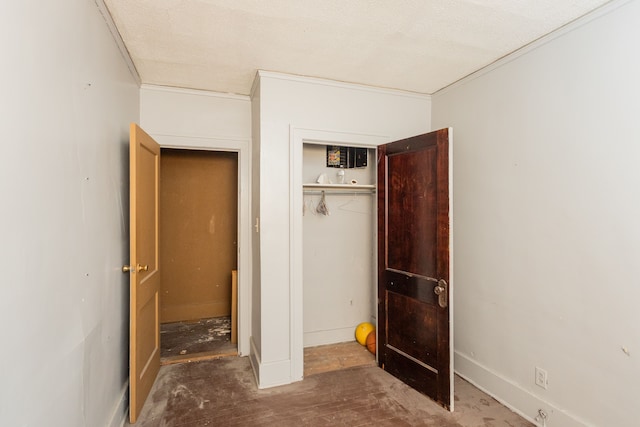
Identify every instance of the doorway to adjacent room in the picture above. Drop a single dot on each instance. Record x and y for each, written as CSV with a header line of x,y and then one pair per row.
x,y
198,254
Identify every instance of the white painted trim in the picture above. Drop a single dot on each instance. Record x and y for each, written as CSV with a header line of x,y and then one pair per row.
x,y
197,92
104,11
243,148
451,279
296,300
332,336
559,32
512,395
274,374
221,139
255,84
343,85
270,374
298,137
121,409
255,359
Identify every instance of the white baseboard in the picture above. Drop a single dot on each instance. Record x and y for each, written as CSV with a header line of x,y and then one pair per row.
x,y
269,374
333,336
512,395
273,374
254,359
119,414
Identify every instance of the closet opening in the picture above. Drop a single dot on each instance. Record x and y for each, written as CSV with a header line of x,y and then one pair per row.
x,y
198,254
339,254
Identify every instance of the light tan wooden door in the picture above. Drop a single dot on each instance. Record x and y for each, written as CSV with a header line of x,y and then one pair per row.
x,y
144,338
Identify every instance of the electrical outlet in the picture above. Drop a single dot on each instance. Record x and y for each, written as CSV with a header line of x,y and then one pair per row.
x,y
541,378
542,416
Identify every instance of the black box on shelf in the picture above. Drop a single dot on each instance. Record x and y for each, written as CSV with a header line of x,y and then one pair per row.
x,y
346,157
360,157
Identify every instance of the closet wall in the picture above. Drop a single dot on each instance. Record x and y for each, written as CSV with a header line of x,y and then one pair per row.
x,y
198,233
339,254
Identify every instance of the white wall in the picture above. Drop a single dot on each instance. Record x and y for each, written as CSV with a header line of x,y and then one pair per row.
x,y
547,242
339,274
290,107
195,114
67,101
193,119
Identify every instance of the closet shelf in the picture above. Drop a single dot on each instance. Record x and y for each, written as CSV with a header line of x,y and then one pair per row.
x,y
341,187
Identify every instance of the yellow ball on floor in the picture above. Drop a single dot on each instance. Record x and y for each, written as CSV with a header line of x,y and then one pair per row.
x,y
362,331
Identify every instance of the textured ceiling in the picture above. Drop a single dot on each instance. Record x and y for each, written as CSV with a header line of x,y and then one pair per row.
x,y
414,45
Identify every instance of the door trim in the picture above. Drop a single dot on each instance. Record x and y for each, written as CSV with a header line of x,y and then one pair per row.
x,y
243,148
451,288
297,138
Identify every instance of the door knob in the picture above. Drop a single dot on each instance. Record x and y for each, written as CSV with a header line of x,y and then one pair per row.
x,y
441,291
139,268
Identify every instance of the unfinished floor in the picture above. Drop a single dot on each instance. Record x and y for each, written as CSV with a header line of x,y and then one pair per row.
x,y
223,392
198,339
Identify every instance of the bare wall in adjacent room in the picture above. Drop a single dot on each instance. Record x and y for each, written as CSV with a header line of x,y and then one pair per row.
x,y
198,231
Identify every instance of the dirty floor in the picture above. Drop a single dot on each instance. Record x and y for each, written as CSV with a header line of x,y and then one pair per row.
x,y
223,392
333,357
210,337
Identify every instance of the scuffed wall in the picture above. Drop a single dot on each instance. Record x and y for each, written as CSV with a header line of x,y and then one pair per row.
x,y
67,100
547,236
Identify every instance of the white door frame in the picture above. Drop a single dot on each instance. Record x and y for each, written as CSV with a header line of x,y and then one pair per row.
x,y
243,148
297,137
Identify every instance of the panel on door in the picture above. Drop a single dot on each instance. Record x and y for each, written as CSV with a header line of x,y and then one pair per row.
x,y
414,331
144,344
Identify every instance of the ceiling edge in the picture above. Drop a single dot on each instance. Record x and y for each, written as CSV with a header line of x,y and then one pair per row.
x,y
573,25
104,11
197,92
340,84
255,84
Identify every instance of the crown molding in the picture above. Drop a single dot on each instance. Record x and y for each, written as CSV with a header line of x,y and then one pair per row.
x,y
197,92
344,85
106,15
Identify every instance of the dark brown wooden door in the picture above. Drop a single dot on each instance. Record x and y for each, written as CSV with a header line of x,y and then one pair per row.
x,y
413,263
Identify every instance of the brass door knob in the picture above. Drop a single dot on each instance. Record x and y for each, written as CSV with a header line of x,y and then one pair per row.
x,y
139,268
